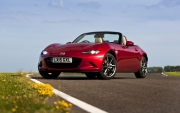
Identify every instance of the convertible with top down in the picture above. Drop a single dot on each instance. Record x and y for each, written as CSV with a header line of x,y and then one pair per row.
x,y
97,54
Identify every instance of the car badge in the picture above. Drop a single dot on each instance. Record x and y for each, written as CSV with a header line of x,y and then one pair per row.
x,y
62,53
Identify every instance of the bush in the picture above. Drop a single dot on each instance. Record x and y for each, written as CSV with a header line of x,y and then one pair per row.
x,y
171,68
155,70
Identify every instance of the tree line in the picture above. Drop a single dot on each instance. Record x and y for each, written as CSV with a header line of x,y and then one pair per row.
x,y
159,69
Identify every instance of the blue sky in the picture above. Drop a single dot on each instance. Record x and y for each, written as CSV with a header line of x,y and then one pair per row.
x,y
27,27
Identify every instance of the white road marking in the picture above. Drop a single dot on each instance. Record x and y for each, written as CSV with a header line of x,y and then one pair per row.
x,y
164,74
87,107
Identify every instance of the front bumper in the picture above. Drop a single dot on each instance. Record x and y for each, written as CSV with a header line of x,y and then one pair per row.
x,y
83,63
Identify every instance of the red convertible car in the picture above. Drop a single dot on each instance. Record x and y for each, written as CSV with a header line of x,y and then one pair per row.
x,y
97,54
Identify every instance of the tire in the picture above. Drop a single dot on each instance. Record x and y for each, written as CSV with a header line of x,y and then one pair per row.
x,y
48,75
109,67
91,75
142,72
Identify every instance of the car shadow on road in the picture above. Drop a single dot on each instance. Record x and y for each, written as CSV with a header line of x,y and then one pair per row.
x,y
124,78
80,78
66,78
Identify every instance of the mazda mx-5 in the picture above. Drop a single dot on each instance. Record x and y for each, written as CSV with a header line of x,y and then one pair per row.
x,y
97,54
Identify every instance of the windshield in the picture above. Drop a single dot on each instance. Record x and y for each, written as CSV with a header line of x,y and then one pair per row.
x,y
97,38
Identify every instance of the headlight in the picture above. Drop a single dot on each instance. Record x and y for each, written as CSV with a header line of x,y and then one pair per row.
x,y
91,52
44,52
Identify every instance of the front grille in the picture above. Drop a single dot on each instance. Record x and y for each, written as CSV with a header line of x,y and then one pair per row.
x,y
75,63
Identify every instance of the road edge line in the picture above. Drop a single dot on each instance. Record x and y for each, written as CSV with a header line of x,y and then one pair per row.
x,y
164,74
85,106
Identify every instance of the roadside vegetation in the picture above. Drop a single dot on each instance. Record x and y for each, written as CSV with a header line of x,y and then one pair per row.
x,y
172,73
19,95
159,69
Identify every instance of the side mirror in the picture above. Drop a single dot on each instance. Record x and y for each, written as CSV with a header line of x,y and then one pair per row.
x,y
129,43
68,43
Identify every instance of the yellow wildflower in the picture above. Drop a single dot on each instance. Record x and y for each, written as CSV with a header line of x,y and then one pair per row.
x,y
70,105
13,109
16,107
59,102
57,107
43,89
55,103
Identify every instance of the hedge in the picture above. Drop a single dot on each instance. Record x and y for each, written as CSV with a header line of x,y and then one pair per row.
x,y
159,69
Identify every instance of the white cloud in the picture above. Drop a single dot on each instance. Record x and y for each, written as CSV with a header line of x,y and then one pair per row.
x,y
91,4
170,3
124,2
166,3
68,21
57,3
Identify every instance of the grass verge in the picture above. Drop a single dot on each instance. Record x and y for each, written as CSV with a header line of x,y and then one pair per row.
x,y
172,73
18,94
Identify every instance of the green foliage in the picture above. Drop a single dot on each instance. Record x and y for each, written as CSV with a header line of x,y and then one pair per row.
x,y
165,69
171,68
155,70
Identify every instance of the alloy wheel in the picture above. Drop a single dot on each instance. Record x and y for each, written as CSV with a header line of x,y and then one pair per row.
x,y
144,67
109,66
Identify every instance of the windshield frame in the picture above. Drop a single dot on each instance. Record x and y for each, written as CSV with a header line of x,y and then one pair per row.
x,y
82,35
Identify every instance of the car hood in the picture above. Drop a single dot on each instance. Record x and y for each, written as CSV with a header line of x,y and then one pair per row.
x,y
72,48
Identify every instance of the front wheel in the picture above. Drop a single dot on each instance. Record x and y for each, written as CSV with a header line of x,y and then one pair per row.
x,y
142,72
49,75
109,67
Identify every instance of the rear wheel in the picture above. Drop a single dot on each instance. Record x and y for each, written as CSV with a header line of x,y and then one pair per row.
x,y
109,67
49,75
142,72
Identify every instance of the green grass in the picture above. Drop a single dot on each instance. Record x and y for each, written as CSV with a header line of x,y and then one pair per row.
x,y
17,95
172,73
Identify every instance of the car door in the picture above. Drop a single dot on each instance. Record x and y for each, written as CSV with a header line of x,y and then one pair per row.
x,y
126,58
132,52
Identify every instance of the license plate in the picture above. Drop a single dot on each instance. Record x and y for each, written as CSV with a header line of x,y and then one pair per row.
x,y
62,60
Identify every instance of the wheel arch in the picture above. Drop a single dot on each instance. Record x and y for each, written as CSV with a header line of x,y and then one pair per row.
x,y
112,52
145,55
108,48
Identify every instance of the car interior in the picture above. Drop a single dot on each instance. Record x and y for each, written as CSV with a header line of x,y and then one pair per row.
x,y
99,39
124,40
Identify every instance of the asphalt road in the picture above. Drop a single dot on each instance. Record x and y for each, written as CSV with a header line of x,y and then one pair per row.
x,y
123,94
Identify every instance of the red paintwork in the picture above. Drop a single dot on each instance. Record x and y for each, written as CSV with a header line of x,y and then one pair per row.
x,y
128,57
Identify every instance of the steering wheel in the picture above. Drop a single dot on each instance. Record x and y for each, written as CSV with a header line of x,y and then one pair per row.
x,y
85,41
